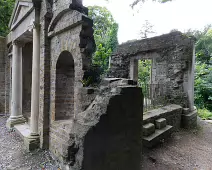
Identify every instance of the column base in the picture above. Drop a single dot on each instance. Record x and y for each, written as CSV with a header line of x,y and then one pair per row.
x,y
12,121
32,142
189,119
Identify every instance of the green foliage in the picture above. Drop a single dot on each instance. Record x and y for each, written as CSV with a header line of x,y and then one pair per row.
x,y
205,114
144,71
105,34
144,75
203,73
92,77
6,7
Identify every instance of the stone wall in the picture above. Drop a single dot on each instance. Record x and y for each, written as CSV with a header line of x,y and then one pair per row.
x,y
172,114
71,39
64,97
27,80
2,74
107,135
8,80
64,27
173,65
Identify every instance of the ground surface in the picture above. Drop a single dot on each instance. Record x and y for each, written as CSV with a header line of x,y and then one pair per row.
x,y
13,155
186,150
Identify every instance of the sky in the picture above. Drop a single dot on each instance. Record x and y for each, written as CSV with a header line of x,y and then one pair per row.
x,y
178,14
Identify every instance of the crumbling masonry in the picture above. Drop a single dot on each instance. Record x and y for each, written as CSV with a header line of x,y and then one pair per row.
x,y
43,61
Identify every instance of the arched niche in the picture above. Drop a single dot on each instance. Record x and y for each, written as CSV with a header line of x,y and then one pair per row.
x,y
64,94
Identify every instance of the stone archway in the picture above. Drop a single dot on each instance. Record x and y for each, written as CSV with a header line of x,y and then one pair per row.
x,y
64,95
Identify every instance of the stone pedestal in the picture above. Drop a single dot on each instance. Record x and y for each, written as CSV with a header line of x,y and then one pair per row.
x,y
189,118
32,142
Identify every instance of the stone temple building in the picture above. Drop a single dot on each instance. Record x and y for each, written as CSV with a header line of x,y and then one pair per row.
x,y
43,62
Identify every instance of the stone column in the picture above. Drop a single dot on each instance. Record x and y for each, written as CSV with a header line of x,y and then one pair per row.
x,y
134,69
33,140
35,82
16,116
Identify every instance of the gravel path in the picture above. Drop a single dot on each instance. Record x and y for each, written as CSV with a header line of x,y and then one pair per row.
x,y
13,155
185,150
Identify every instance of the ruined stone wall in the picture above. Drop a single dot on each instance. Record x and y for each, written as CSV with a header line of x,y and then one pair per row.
x,y
65,42
107,135
2,74
62,29
69,33
173,64
64,94
172,114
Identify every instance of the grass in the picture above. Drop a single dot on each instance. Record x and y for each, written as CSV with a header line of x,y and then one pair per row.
x,y
205,114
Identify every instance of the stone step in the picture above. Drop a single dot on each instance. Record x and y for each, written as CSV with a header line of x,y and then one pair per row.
x,y
160,123
148,129
156,137
23,130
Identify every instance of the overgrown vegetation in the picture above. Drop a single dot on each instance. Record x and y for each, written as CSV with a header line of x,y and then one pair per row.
x,y
203,72
105,35
205,114
6,7
144,74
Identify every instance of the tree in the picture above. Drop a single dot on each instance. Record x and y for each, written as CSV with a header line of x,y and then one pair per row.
x,y
6,7
203,73
146,29
136,2
105,34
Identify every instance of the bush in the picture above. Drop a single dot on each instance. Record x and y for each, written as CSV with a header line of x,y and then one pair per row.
x,y
205,114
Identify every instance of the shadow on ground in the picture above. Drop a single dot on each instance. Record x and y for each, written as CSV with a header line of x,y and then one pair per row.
x,y
185,150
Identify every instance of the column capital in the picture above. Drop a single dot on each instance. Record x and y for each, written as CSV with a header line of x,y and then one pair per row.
x,y
18,43
36,25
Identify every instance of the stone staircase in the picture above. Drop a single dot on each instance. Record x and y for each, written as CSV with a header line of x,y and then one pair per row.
x,y
154,133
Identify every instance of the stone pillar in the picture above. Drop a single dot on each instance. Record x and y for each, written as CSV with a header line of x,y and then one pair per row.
x,y
35,81
33,141
16,116
134,69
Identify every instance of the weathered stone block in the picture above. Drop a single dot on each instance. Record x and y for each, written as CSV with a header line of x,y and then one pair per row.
x,y
172,114
31,142
160,123
156,137
189,120
148,129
